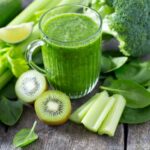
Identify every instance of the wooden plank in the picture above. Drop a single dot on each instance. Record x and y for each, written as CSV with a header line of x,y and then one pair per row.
x,y
2,134
66,137
139,137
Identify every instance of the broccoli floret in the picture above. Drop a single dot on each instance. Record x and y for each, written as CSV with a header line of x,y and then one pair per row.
x,y
129,23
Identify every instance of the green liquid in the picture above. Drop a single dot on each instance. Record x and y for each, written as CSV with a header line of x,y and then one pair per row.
x,y
72,57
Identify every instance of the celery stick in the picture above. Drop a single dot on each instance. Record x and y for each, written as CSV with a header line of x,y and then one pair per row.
x,y
100,115
27,15
81,2
110,123
90,119
5,78
3,64
78,114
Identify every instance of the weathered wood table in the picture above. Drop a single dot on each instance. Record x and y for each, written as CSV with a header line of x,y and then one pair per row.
x,y
75,137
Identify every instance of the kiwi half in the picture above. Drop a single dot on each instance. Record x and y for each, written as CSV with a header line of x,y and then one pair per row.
x,y
30,85
53,107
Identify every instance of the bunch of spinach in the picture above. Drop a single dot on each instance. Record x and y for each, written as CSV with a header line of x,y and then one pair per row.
x,y
136,71
11,109
132,80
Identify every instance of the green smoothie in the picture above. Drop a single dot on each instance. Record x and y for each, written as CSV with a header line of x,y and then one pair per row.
x,y
72,55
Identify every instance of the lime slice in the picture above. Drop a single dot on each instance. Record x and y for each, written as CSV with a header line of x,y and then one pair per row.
x,y
16,33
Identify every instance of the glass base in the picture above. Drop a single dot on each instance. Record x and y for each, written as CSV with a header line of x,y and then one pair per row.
x,y
82,94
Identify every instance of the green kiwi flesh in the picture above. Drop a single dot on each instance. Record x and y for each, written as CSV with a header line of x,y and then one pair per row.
x,y
30,86
53,107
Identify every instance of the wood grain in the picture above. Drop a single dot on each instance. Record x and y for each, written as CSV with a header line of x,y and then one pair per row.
x,y
66,137
139,137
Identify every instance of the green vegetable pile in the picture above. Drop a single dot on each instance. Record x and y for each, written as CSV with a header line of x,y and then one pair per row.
x,y
123,72
129,22
14,9
101,113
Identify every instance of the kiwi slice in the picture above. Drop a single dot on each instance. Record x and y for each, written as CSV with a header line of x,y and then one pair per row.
x,y
53,107
30,85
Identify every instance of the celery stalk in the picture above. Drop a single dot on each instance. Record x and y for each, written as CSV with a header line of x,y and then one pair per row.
x,y
3,64
100,114
5,78
110,123
78,115
90,119
27,15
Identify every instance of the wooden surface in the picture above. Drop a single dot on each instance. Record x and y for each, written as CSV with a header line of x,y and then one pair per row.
x,y
75,137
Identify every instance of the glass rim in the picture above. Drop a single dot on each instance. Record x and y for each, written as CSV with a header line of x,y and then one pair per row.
x,y
76,41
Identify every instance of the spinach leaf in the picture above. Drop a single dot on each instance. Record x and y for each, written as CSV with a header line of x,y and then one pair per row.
x,y
112,63
25,137
135,116
148,89
9,90
108,81
136,71
10,111
135,94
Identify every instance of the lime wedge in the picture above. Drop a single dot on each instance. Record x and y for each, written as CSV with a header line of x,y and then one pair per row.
x,y
16,33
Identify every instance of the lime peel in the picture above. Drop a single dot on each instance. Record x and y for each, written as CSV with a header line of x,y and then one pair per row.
x,y
16,33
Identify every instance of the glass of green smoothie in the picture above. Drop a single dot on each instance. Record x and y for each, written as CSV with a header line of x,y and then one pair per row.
x,y
71,48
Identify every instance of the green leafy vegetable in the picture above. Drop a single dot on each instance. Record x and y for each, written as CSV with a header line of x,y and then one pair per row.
x,y
5,78
110,64
135,116
9,9
18,66
10,111
135,94
9,90
108,81
148,89
129,22
25,137
3,60
135,70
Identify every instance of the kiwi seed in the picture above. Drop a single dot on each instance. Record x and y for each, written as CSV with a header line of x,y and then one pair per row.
x,y
30,85
53,107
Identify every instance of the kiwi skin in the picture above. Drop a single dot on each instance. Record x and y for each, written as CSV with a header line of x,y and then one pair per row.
x,y
25,100
56,123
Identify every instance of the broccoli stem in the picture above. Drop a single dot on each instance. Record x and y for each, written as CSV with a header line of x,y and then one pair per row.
x,y
106,29
5,78
105,10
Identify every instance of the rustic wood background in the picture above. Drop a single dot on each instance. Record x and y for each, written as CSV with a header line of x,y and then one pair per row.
x,y
75,137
